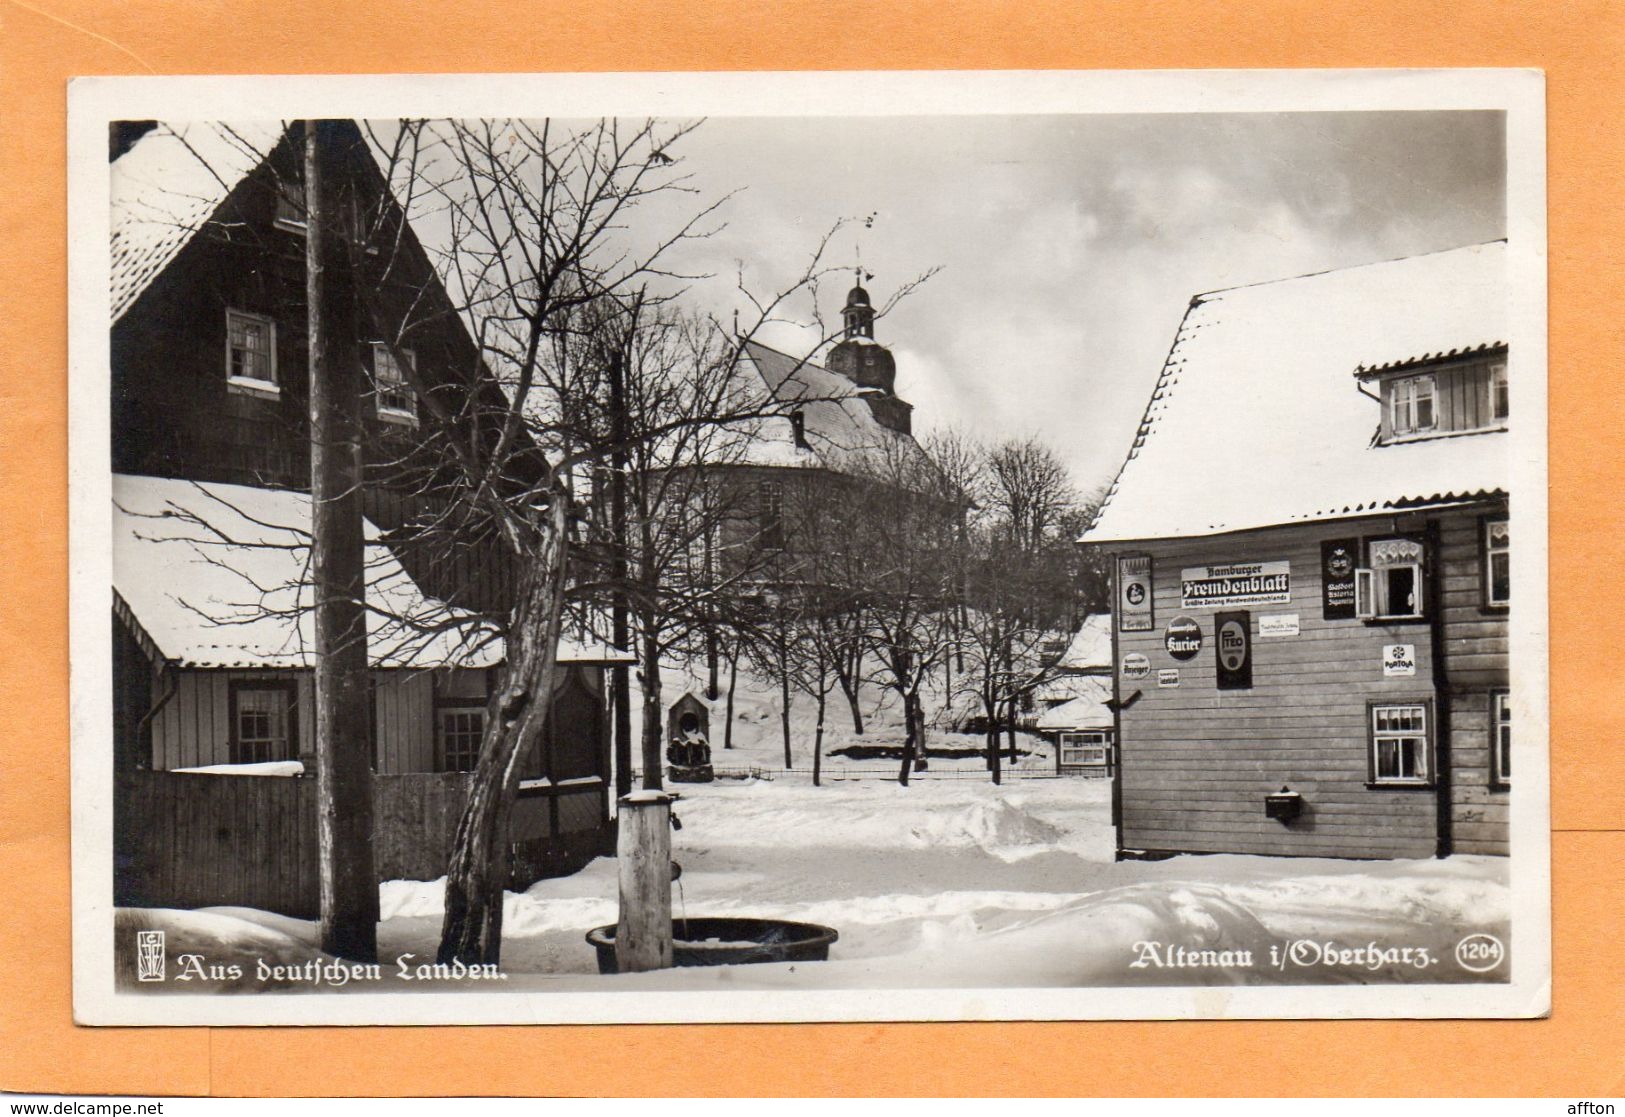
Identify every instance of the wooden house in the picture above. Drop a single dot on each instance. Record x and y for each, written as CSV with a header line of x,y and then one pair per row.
x,y
1312,570
1072,703
211,624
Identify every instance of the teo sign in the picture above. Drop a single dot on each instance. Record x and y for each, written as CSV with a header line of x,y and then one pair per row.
x,y
1233,644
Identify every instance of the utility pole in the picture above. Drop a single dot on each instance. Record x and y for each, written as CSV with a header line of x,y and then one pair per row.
x,y
620,681
349,883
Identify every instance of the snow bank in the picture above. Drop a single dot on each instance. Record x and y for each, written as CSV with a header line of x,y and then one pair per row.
x,y
262,768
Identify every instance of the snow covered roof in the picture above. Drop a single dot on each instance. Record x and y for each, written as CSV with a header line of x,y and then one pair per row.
x,y
1088,710
837,424
1091,648
219,576
1258,419
165,188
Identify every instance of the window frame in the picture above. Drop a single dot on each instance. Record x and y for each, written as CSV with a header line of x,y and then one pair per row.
x,y
451,706
252,385
289,690
1486,557
769,511
1500,392
1501,750
1371,590
1427,756
382,357
1410,402
1103,742
290,200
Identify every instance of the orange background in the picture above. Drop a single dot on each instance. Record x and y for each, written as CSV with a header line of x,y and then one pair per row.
x,y
1578,1052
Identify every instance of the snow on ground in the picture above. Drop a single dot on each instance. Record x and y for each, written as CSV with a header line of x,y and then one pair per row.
x,y
952,883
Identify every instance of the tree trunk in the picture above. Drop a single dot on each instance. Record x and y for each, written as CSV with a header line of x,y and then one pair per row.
x,y
1010,727
921,763
991,737
847,675
818,740
348,882
908,741
784,703
653,752
733,678
478,873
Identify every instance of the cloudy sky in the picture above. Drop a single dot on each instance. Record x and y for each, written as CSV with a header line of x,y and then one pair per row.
x,y
1069,246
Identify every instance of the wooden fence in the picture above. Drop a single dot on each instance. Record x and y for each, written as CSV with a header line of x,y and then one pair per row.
x,y
187,840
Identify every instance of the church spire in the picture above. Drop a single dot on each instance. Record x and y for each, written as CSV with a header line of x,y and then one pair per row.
x,y
858,315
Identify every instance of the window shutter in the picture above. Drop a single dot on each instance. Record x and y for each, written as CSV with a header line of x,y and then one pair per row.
x,y
1365,596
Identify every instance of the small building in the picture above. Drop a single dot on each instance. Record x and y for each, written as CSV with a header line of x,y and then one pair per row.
x,y
1311,543
1072,704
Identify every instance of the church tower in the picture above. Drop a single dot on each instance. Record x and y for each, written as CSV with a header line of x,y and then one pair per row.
x,y
868,364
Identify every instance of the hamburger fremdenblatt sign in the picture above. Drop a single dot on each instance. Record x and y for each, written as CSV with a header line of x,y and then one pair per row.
x,y
1237,583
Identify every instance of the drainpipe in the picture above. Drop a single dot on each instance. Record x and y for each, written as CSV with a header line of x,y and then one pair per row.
x,y
144,726
1443,774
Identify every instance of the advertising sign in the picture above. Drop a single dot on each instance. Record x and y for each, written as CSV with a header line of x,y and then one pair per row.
x,y
1136,666
1233,645
1398,660
1168,677
1182,638
1278,624
1236,583
1134,593
1338,558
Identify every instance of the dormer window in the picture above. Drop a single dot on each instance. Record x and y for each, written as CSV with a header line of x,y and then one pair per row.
x,y
1410,405
392,392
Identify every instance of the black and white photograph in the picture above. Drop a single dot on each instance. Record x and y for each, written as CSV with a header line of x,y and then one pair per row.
x,y
644,548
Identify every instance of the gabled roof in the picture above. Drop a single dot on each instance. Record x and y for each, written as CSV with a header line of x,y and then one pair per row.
x,y
1091,648
838,424
167,186
219,576
1258,419
1088,710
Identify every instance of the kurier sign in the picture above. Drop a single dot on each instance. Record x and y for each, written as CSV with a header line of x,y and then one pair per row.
x,y
1233,645
1134,593
1236,583
1182,638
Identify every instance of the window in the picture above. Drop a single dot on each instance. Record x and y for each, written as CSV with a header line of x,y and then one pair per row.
x,y
1499,399
1399,744
1085,750
250,351
1497,564
1501,738
290,206
262,724
460,730
1411,405
770,515
1390,585
393,394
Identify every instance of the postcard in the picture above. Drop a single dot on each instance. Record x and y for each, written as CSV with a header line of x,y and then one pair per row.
x,y
809,547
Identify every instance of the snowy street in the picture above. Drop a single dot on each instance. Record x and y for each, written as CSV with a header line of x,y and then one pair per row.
x,y
955,882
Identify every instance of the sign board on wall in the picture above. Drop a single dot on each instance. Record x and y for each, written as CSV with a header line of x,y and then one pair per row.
x,y
1168,676
1236,583
1278,624
1398,660
1136,666
1134,593
1233,646
1182,638
1338,558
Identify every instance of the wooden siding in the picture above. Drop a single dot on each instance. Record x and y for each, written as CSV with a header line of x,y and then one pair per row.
x,y
193,728
192,840
1196,761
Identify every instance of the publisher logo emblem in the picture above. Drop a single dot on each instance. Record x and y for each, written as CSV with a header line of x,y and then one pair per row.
x,y
149,955
1480,953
